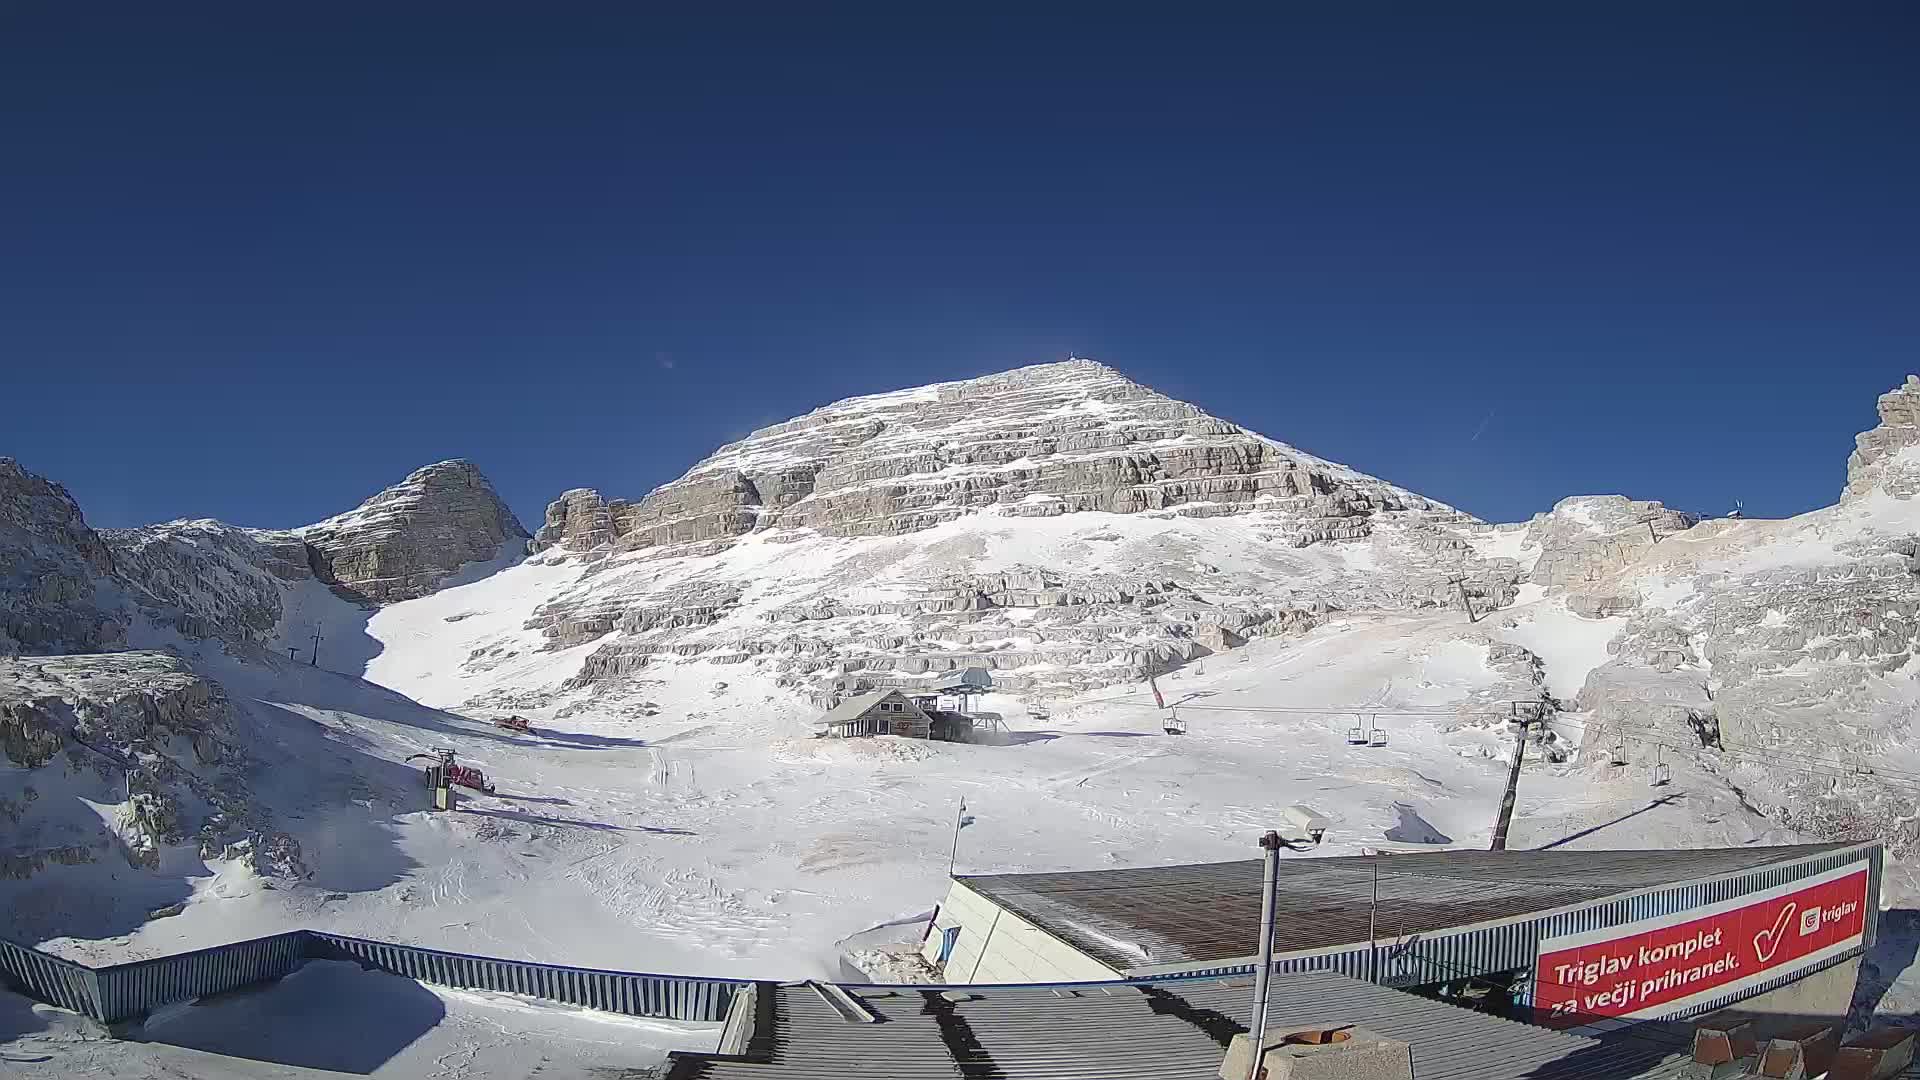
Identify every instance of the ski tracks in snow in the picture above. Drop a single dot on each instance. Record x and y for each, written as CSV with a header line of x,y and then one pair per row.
x,y
677,903
1077,777
450,886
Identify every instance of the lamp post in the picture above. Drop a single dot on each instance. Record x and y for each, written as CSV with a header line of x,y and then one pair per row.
x,y
960,821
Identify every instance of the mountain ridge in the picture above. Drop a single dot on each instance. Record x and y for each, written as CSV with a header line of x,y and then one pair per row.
x,y
204,708
1079,436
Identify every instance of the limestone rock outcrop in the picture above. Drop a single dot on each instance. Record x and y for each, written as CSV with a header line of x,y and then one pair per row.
x,y
56,592
889,540
403,542
1781,652
131,754
1587,537
138,732
1038,441
579,520
207,579
1878,459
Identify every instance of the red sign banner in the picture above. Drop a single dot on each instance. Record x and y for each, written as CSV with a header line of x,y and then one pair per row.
x,y
1656,966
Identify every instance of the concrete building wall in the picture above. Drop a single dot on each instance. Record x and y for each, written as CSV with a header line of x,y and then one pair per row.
x,y
1823,995
996,946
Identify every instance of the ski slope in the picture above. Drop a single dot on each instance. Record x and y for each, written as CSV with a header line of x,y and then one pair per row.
x,y
718,837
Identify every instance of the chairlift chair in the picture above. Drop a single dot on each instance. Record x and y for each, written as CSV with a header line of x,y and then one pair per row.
x,y
1619,756
1357,735
1174,725
1661,774
1379,737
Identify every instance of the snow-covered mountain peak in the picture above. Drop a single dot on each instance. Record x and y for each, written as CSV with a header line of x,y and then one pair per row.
x,y
1038,441
1059,523
404,541
264,589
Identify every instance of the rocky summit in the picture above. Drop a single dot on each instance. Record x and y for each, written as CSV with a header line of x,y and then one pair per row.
x,y
1883,455
402,542
1038,441
1060,525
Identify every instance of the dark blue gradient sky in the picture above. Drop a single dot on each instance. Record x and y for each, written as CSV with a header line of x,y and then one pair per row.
x,y
257,261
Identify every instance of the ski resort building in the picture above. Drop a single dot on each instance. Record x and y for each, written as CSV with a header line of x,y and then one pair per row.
x,y
1569,937
893,712
879,712
1162,1029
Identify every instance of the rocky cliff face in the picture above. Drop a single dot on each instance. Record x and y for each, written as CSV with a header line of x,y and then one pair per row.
x,y
1877,458
1788,648
56,592
1038,441
137,732
403,542
1587,537
1060,525
124,754
207,579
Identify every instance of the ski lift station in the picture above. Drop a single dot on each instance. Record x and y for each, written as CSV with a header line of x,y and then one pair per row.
x,y
1571,938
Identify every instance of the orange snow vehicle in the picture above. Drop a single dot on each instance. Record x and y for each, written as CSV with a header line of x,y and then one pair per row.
x,y
465,776
469,777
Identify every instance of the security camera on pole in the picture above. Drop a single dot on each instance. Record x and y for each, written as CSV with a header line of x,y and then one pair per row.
x,y
1310,828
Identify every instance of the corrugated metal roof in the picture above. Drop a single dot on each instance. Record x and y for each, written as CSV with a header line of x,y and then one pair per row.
x,y
1165,1030
851,708
1208,912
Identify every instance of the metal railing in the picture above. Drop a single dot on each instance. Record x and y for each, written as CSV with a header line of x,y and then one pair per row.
x,y
634,993
133,989
49,978
125,991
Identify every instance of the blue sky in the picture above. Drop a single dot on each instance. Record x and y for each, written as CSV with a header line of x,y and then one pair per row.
x,y
258,261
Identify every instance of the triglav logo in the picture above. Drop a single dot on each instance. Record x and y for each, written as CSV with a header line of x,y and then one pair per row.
x,y
1767,942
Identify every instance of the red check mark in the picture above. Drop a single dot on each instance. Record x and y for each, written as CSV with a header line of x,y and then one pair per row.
x,y
1767,942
